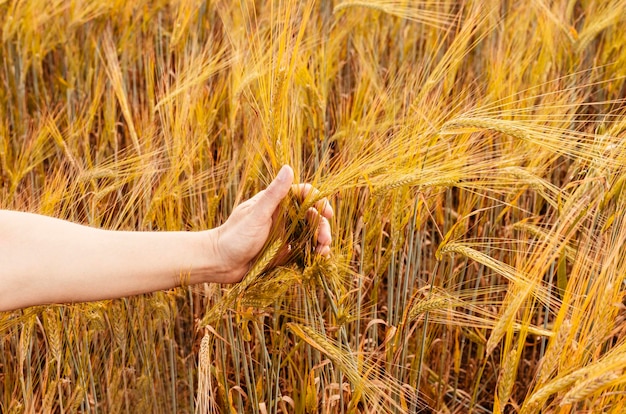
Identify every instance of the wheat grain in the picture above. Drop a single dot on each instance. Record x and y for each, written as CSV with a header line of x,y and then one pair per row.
x,y
555,351
538,398
506,127
585,388
506,380
433,302
205,402
53,325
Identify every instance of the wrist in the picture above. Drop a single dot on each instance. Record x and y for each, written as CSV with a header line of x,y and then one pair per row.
x,y
216,265
211,267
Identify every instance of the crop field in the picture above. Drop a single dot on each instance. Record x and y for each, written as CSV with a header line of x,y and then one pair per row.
x,y
474,153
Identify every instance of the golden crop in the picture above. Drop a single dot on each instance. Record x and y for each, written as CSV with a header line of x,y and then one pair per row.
x,y
474,152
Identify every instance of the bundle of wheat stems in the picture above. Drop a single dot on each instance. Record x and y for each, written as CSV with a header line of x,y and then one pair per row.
x,y
474,152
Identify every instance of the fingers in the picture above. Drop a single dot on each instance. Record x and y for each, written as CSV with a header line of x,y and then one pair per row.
x,y
323,234
318,215
307,190
324,237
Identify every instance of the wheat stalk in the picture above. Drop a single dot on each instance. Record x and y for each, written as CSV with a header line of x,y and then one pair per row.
x,y
374,391
205,402
238,292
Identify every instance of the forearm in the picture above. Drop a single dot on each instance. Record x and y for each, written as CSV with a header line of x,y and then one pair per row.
x,y
45,260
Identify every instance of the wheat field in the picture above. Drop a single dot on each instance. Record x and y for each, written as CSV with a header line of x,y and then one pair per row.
x,y
474,153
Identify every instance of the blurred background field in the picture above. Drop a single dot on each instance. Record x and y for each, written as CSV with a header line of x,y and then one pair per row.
x,y
474,152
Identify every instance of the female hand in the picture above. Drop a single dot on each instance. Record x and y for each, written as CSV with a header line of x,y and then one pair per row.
x,y
240,239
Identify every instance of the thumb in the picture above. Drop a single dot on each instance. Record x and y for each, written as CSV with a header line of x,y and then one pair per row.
x,y
276,191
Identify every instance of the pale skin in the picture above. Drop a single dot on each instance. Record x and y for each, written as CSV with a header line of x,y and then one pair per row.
x,y
46,260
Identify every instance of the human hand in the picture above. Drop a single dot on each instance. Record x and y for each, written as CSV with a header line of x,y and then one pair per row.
x,y
240,239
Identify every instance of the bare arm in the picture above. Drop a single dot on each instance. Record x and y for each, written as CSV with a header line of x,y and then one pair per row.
x,y
46,260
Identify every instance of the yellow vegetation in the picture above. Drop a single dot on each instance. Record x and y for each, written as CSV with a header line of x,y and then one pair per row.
x,y
474,152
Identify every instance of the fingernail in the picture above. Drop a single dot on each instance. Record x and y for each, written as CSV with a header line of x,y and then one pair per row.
x,y
282,174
